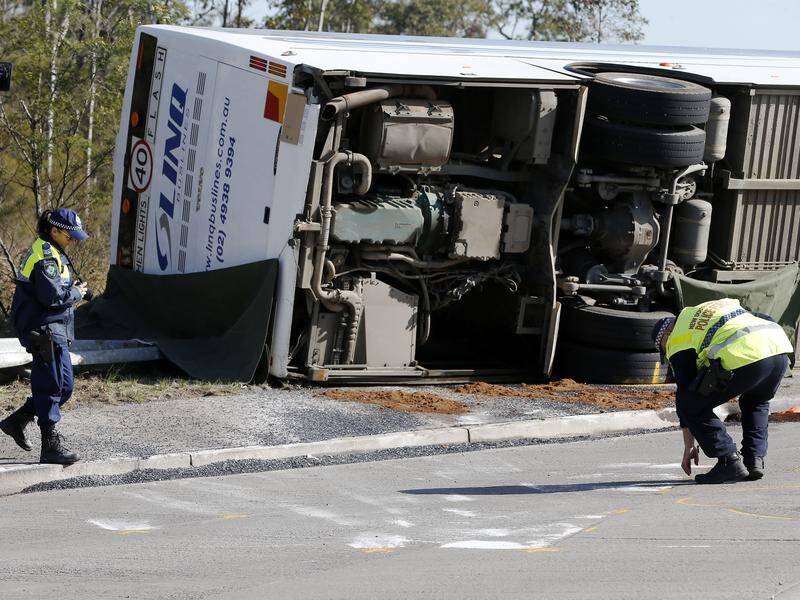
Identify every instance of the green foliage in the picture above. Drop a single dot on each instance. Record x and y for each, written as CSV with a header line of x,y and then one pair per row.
x,y
571,20
349,16
224,13
58,125
460,18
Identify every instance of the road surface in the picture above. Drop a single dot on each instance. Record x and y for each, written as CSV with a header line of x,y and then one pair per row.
x,y
611,518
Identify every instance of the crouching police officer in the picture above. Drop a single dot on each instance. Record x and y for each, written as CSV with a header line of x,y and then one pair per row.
x,y
43,318
719,351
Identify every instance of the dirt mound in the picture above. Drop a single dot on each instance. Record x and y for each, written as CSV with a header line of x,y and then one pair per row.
x,y
568,390
410,402
787,416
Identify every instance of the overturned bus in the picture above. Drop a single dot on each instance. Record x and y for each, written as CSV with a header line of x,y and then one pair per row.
x,y
376,208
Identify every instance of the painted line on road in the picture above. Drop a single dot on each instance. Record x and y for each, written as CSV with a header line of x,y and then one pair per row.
x,y
687,502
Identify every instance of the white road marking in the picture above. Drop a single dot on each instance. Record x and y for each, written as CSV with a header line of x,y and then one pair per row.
x,y
686,546
546,536
493,532
460,513
592,475
402,523
379,540
457,498
484,545
121,525
553,532
640,488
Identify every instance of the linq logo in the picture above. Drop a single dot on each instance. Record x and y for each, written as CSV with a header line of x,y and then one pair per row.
x,y
169,169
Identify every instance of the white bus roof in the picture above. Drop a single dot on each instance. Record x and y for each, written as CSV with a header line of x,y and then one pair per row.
x,y
494,60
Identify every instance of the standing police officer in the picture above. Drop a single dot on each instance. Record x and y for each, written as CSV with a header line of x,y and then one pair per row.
x,y
719,351
43,317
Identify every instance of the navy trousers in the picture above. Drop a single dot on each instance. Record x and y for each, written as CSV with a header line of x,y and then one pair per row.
x,y
51,386
755,384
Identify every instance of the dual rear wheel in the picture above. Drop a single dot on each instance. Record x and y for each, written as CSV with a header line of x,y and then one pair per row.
x,y
645,120
607,345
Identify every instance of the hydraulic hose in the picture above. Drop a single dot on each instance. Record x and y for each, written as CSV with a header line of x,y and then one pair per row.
x,y
353,100
335,299
666,227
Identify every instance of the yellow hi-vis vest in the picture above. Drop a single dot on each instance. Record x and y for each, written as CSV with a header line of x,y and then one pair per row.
x,y
39,251
736,342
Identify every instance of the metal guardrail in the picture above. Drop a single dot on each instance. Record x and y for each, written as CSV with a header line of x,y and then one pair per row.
x,y
84,352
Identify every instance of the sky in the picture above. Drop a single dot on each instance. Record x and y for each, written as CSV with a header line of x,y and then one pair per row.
x,y
750,24
747,24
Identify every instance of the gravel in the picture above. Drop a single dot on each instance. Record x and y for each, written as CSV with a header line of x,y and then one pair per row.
x,y
271,416
236,467
261,416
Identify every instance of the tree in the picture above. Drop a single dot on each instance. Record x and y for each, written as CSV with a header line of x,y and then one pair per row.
x,y
222,13
572,20
348,16
457,18
58,125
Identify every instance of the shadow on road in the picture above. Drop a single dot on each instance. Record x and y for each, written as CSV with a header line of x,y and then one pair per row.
x,y
509,490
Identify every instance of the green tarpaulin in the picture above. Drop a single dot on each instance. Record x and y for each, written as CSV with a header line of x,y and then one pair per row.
x,y
212,325
777,295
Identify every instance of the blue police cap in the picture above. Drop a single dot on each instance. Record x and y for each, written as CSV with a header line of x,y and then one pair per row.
x,y
660,328
69,221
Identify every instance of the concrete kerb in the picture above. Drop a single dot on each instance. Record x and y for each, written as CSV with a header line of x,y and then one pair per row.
x,y
15,478
573,426
367,443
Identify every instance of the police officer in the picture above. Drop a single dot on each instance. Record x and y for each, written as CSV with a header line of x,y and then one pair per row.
x,y
43,317
719,351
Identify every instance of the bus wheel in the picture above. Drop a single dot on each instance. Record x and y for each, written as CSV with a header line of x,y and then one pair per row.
x,y
604,141
606,327
590,364
649,99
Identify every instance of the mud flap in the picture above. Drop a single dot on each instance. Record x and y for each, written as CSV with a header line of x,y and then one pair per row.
x,y
550,346
213,325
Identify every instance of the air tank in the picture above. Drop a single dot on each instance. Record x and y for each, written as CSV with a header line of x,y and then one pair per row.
x,y
692,224
717,129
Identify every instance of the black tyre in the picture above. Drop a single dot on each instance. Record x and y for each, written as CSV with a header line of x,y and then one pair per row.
x,y
590,364
649,99
619,143
610,327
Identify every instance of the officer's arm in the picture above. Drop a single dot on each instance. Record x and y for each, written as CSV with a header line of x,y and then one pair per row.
x,y
684,368
49,288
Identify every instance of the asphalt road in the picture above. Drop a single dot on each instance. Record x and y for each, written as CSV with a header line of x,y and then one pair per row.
x,y
610,518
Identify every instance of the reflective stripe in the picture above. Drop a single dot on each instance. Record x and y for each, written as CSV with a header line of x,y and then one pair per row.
x,y
717,348
717,326
41,250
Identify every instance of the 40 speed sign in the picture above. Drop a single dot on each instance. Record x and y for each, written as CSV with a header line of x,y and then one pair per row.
x,y
141,171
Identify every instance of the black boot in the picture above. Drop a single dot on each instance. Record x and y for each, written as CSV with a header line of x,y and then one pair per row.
x,y
53,449
727,470
755,467
14,425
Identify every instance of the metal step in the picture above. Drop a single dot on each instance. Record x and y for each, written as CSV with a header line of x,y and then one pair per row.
x,y
84,352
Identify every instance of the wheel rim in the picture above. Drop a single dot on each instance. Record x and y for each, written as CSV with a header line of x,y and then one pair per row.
x,y
659,84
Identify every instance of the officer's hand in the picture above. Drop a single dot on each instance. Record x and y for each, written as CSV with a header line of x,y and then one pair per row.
x,y
690,453
82,287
